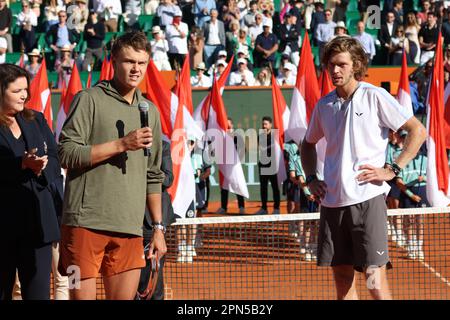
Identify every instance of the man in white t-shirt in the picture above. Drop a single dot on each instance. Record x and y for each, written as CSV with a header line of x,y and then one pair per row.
x,y
243,76
201,80
355,120
176,34
3,49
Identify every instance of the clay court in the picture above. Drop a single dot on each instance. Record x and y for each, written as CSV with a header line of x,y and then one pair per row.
x,y
259,260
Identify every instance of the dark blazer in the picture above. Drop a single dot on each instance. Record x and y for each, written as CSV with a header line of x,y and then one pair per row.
x,y
289,38
221,31
168,216
21,190
52,35
383,34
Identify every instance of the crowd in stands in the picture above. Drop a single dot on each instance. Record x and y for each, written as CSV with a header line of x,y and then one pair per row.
x,y
81,32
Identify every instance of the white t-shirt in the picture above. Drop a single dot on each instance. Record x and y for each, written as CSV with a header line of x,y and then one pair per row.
x,y
159,50
356,132
3,45
176,43
236,78
205,81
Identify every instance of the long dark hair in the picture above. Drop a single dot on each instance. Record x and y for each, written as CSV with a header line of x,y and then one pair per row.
x,y
10,73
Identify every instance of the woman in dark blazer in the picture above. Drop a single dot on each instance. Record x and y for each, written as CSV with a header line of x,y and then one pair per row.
x,y
30,189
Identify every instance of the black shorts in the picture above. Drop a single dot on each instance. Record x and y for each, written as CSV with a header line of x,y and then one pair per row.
x,y
395,191
406,202
354,235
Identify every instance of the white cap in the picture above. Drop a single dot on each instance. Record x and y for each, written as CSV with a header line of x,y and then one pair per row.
x,y
242,60
340,24
266,23
222,53
201,66
288,66
221,62
242,50
156,29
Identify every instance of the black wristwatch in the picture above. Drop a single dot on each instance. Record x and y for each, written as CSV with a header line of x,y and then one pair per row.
x,y
160,226
395,168
311,178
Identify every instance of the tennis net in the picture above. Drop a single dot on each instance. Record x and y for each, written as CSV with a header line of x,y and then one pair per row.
x,y
274,257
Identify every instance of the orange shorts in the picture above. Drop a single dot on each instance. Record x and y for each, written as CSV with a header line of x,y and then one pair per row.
x,y
95,251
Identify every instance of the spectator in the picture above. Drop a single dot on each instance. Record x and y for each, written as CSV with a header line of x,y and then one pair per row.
x,y
176,34
214,33
220,68
290,38
33,64
412,29
109,10
35,6
268,20
151,6
285,59
242,53
244,42
257,29
232,37
422,15
398,11
286,77
60,35
265,168
309,9
266,45
297,10
202,8
286,6
230,12
446,28
325,31
5,24
94,34
51,14
27,21
428,36
340,30
399,43
340,9
201,80
386,32
366,41
63,66
3,49
317,18
165,13
160,49
196,46
80,15
133,7
243,76
264,78
249,19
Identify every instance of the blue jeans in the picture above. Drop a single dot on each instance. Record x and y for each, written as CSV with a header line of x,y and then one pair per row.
x,y
210,53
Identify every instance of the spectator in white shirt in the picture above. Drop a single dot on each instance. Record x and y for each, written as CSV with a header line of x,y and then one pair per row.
x,y
214,33
150,6
165,12
286,77
366,41
220,68
256,29
243,76
176,34
221,56
201,80
110,11
325,31
27,20
160,47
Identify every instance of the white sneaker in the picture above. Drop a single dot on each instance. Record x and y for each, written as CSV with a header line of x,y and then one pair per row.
x,y
221,211
276,211
310,256
241,210
261,211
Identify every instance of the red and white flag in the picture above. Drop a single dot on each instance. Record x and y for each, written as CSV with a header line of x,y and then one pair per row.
x,y
437,166
107,70
325,83
167,103
404,93
89,80
73,88
211,115
281,116
447,115
21,62
305,95
40,97
182,191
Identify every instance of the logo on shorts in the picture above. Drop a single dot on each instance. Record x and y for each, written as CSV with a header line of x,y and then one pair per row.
x,y
380,253
190,214
359,114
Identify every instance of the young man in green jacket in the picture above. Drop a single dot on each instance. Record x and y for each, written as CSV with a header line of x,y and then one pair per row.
x,y
109,178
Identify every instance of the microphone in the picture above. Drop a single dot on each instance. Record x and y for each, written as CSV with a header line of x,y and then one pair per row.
x,y
143,109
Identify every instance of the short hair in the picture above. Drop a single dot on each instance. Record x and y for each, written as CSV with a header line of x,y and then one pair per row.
x,y
134,39
347,44
10,73
327,10
431,13
267,118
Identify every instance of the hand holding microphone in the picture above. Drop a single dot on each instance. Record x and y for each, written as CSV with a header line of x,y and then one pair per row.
x,y
140,138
